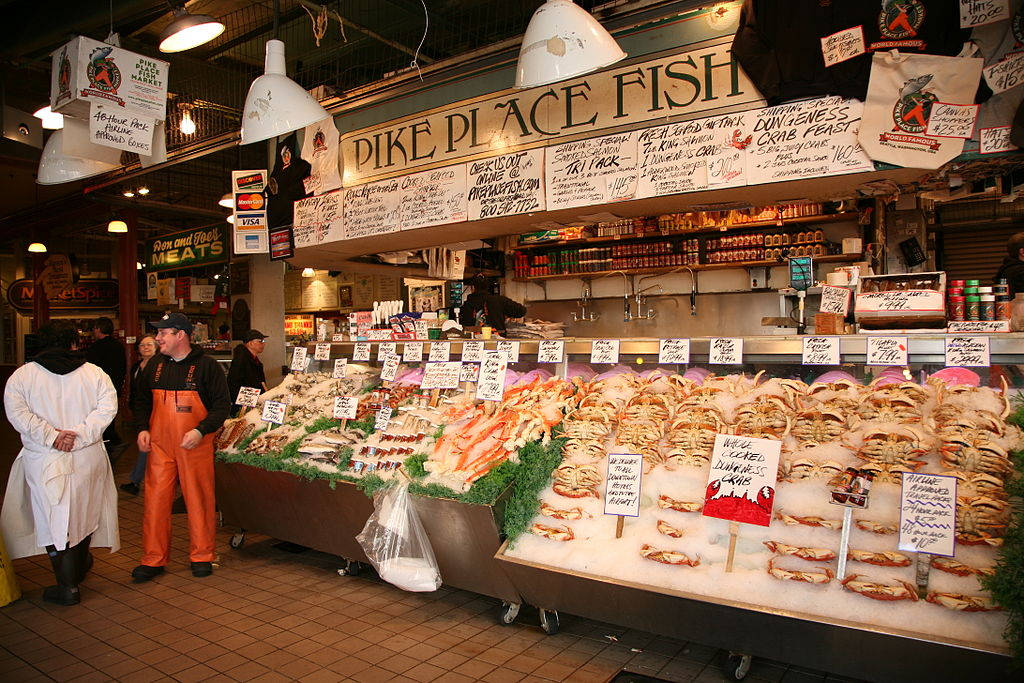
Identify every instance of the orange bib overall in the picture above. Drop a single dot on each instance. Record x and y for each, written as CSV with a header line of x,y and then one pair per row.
x,y
174,414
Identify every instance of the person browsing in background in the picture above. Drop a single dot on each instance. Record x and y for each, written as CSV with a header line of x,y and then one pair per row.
x,y
482,307
182,399
108,354
147,350
60,495
246,367
1012,268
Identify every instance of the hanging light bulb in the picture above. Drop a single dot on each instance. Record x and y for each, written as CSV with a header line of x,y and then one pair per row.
x,y
117,226
276,104
308,272
37,248
217,276
187,31
128,193
138,265
227,201
51,119
187,125
143,191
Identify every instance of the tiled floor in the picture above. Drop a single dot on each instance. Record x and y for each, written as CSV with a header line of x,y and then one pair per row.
x,y
267,614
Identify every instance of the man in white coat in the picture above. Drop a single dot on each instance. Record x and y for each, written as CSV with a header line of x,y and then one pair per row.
x,y
61,495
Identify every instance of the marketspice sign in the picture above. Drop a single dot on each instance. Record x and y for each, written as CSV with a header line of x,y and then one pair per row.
x,y
188,249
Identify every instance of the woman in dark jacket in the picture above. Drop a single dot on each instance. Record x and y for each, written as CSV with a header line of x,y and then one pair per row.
x,y
147,350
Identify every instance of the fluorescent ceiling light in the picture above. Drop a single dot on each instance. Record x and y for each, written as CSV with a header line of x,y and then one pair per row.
x,y
276,104
563,41
187,31
55,167
117,226
37,248
51,119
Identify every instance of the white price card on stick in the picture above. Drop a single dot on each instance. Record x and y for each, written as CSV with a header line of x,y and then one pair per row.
x,y
386,350
510,349
299,354
674,351
361,351
887,351
340,368
322,351
441,375
337,337
604,351
623,483
345,407
550,351
980,12
952,120
273,411
820,351
491,383
470,372
389,370
440,352
834,300
248,396
996,139
383,419
741,485
412,352
928,513
726,351
472,351
968,352
843,45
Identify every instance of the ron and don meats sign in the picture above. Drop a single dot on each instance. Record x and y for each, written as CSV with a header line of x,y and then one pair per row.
x,y
700,81
187,249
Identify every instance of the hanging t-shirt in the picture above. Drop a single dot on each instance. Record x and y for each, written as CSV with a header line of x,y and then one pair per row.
x,y
920,26
285,184
996,42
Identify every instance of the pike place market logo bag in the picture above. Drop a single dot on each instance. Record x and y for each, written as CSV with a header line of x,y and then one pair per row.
x,y
901,95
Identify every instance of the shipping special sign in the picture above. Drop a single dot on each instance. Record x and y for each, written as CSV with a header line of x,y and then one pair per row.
x,y
187,249
701,80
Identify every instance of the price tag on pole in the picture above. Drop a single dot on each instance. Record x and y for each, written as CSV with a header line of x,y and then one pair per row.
x,y
887,351
412,352
604,351
820,351
386,349
422,328
550,351
968,352
383,419
389,370
361,351
322,351
510,349
472,351
470,372
726,351
248,396
273,412
440,352
345,407
491,383
299,354
441,375
672,351
928,513
340,367
835,300
622,487
337,337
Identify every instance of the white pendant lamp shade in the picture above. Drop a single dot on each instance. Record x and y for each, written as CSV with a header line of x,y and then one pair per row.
x,y
227,201
308,272
563,41
187,31
276,104
55,167
51,119
117,226
37,248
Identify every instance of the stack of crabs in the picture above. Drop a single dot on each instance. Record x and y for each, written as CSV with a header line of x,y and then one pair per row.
x,y
946,425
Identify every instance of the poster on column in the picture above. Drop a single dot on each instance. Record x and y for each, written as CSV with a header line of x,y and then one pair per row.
x,y
692,155
434,197
805,140
592,171
250,235
320,149
317,219
507,185
372,209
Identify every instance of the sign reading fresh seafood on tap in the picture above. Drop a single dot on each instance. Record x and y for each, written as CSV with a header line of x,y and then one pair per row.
x,y
741,485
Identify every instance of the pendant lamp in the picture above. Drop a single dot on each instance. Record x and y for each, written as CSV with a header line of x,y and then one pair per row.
x,y
187,31
276,104
37,248
563,41
227,201
55,167
117,226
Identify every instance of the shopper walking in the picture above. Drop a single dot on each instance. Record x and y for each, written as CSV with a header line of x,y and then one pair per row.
x,y
108,354
182,399
60,495
246,368
147,350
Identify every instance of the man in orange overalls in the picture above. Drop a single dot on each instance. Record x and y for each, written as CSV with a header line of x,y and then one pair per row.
x,y
182,400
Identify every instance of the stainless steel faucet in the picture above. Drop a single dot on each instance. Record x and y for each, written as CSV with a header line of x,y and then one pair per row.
x,y
582,316
627,313
693,287
650,314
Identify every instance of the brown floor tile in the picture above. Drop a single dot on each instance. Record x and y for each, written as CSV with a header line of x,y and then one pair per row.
x,y
226,662
523,663
425,672
397,663
321,676
553,671
448,660
373,674
194,674
474,668
247,671
347,666
502,675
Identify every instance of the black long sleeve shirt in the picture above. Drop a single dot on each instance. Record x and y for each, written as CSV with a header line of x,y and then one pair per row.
x,y
246,371
207,380
108,354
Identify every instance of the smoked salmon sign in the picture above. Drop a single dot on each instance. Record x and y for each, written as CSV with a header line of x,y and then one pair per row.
x,y
81,295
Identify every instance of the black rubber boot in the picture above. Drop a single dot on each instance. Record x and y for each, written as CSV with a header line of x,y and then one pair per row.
x,y
84,557
65,568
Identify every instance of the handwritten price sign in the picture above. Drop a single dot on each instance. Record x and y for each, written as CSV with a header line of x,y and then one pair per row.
x,y
952,120
345,407
887,351
968,352
412,352
337,337
340,368
604,351
470,372
843,45
361,351
322,351
928,514
441,375
726,351
980,12
1006,74
273,411
550,351
387,349
674,351
472,351
820,351
299,354
389,370
491,384
510,349
383,419
440,352
622,487
993,140
835,300
248,396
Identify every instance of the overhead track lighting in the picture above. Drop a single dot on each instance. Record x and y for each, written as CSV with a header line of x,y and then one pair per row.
x,y
276,104
187,31
37,248
117,226
563,41
51,119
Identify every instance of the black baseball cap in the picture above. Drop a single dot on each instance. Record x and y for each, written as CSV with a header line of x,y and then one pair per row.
x,y
253,334
175,320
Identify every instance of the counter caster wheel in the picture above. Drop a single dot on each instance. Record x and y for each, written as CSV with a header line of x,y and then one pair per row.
x,y
737,666
509,612
549,621
238,540
351,568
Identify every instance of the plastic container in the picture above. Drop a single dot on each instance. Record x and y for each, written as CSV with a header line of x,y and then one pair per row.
x,y
1004,308
971,291
985,290
987,310
957,309
972,283
973,307
957,283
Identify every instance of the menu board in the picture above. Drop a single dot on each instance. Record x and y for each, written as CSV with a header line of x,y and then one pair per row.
x,y
372,209
317,219
692,155
592,171
433,197
507,185
805,140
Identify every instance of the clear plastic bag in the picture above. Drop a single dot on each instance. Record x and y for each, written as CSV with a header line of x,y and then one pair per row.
x,y
396,543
